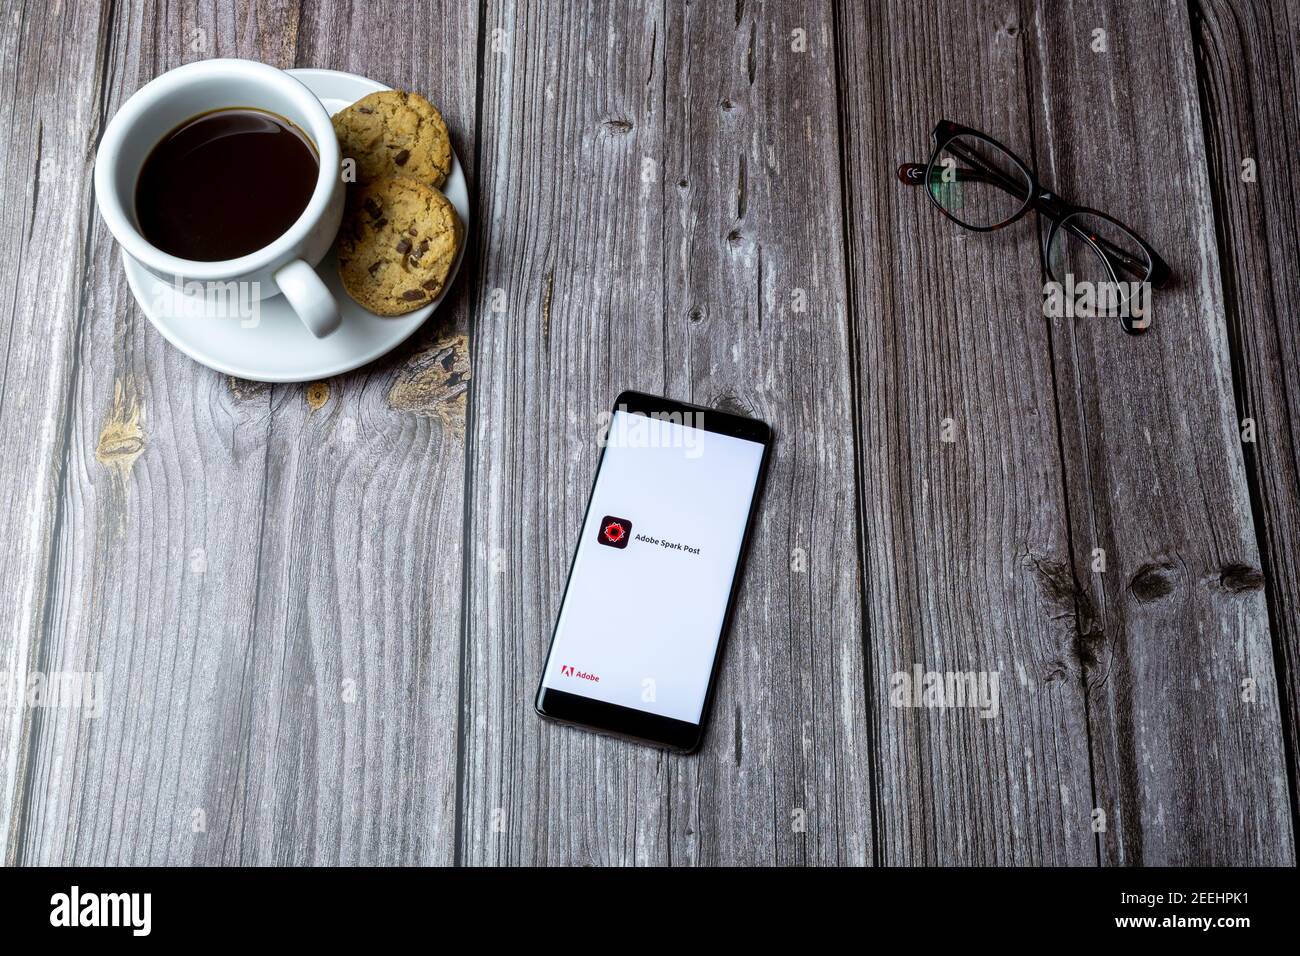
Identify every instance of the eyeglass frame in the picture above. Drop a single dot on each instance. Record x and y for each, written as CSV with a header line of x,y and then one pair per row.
x,y
1042,200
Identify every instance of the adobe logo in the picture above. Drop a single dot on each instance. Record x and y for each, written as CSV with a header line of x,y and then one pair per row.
x,y
614,532
566,670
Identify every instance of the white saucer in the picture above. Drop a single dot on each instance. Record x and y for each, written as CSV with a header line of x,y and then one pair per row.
x,y
279,348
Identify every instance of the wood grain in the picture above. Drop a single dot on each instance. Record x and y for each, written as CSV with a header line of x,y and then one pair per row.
x,y
149,552
271,584
755,321
631,276
1189,765
1249,59
568,278
319,612
52,113
967,548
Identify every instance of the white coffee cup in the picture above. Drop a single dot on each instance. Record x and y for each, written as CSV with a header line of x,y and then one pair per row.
x,y
287,264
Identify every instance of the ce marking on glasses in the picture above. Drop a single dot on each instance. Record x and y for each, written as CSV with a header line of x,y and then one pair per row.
x,y
981,185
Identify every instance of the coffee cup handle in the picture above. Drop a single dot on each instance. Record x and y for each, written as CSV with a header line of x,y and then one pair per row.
x,y
309,298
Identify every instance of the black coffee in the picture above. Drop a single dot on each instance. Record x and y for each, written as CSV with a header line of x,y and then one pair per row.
x,y
224,184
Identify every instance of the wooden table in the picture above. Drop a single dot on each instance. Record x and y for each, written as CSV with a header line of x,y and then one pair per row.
x,y
320,611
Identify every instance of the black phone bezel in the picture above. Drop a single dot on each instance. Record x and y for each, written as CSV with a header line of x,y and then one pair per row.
x,y
628,722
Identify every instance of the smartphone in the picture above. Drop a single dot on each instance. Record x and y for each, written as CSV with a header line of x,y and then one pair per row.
x,y
639,635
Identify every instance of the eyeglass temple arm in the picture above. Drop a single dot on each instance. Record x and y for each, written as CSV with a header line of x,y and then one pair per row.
x,y
913,174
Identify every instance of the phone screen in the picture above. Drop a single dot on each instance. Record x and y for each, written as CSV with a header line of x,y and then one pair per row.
x,y
643,616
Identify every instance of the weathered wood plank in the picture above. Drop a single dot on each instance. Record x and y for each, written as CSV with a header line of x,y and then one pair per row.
x,y
620,278
755,320
51,70
364,542
159,542
967,549
1189,768
1249,59
569,312
271,586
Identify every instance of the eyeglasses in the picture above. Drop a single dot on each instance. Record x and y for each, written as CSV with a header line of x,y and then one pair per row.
x,y
980,184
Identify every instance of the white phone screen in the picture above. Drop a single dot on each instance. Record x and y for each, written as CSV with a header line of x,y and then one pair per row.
x,y
647,597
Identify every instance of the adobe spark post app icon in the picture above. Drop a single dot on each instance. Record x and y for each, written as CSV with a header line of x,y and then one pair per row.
x,y
614,532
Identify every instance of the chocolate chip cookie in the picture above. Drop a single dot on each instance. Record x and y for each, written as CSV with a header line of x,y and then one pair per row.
x,y
397,245
395,134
